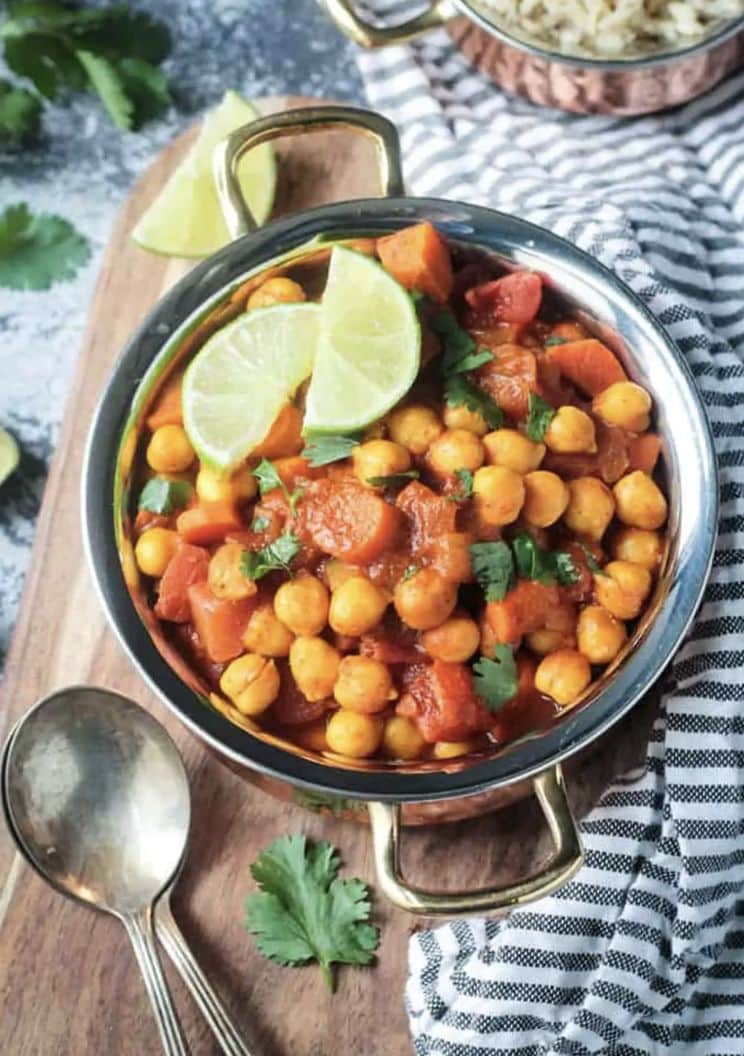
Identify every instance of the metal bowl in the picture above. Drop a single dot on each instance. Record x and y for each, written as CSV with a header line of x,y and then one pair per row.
x,y
640,84
605,305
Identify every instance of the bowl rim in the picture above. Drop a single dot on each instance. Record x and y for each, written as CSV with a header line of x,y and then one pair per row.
x,y
525,758
728,29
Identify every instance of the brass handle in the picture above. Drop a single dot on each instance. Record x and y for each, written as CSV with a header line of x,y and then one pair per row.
x,y
567,859
227,154
369,36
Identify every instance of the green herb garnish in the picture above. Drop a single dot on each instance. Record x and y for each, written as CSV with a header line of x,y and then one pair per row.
x,y
408,572
552,341
37,250
260,523
544,566
164,496
393,480
275,557
269,480
459,351
20,111
539,417
304,912
593,564
465,491
459,391
493,567
322,450
497,679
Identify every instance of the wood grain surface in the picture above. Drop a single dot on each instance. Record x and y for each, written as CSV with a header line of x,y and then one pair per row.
x,y
68,982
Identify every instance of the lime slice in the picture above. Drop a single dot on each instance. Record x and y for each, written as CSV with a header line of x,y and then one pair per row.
x,y
9,454
369,346
185,219
243,376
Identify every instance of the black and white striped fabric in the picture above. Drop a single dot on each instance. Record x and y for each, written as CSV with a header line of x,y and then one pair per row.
x,y
643,953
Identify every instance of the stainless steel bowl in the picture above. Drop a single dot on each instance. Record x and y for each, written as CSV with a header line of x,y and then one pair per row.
x,y
640,84
429,791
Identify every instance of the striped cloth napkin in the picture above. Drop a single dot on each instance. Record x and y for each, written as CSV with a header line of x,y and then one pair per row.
x,y
643,953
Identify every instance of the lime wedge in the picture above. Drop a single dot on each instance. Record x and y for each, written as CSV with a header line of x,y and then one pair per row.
x,y
9,454
185,219
369,346
242,377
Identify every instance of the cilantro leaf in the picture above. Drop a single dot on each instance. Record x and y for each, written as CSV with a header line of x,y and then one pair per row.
x,y
459,391
496,680
304,912
268,480
260,524
164,496
275,557
408,572
593,564
564,569
105,78
394,480
321,450
544,566
20,111
493,567
38,250
552,341
465,476
459,351
539,416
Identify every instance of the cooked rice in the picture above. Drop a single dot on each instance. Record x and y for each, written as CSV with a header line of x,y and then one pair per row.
x,y
611,28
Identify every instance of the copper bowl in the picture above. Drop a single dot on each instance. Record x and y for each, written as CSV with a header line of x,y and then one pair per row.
x,y
641,84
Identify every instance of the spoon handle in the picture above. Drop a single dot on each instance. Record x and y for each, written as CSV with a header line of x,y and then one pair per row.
x,y
201,989
142,936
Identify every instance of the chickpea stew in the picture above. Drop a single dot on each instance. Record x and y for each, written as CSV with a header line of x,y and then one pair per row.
x,y
448,579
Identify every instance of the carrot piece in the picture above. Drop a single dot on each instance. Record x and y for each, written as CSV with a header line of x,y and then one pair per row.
x,y
292,470
167,407
285,435
440,698
189,565
568,331
419,258
509,378
430,515
219,623
589,364
524,609
208,522
514,298
347,520
644,451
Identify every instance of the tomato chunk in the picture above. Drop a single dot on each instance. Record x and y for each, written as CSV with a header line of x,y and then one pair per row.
x,y
525,608
509,378
429,515
514,298
419,258
589,364
441,700
644,451
219,623
347,520
610,461
188,565
207,523
291,707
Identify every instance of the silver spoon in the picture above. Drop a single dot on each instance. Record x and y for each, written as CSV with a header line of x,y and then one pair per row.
x,y
96,796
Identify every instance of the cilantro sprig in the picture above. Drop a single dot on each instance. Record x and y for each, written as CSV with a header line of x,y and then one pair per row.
x,y
459,351
275,557
164,496
394,480
465,490
544,566
496,678
493,567
551,342
592,563
458,391
37,250
304,912
539,416
322,450
20,111
269,480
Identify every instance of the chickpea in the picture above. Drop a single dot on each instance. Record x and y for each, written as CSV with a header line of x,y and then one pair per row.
x,y
213,487
571,431
226,579
363,684
314,666
265,634
336,573
357,606
251,682
380,458
548,641
454,640
510,448
302,605
425,600
402,739
625,404
639,501
563,675
451,749
154,549
599,634
450,556
415,427
499,494
460,417
638,545
169,450
456,449
278,290
546,498
590,507
353,734
622,588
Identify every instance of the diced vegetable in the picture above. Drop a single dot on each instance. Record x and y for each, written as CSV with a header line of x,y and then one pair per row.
x,y
219,623
167,408
347,520
419,258
429,515
589,364
514,298
644,451
207,523
292,707
189,565
524,609
441,699
509,378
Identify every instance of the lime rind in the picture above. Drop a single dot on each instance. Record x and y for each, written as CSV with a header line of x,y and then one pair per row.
x,y
9,454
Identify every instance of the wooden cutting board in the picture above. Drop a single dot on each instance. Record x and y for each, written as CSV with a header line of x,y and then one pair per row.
x,y
68,982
